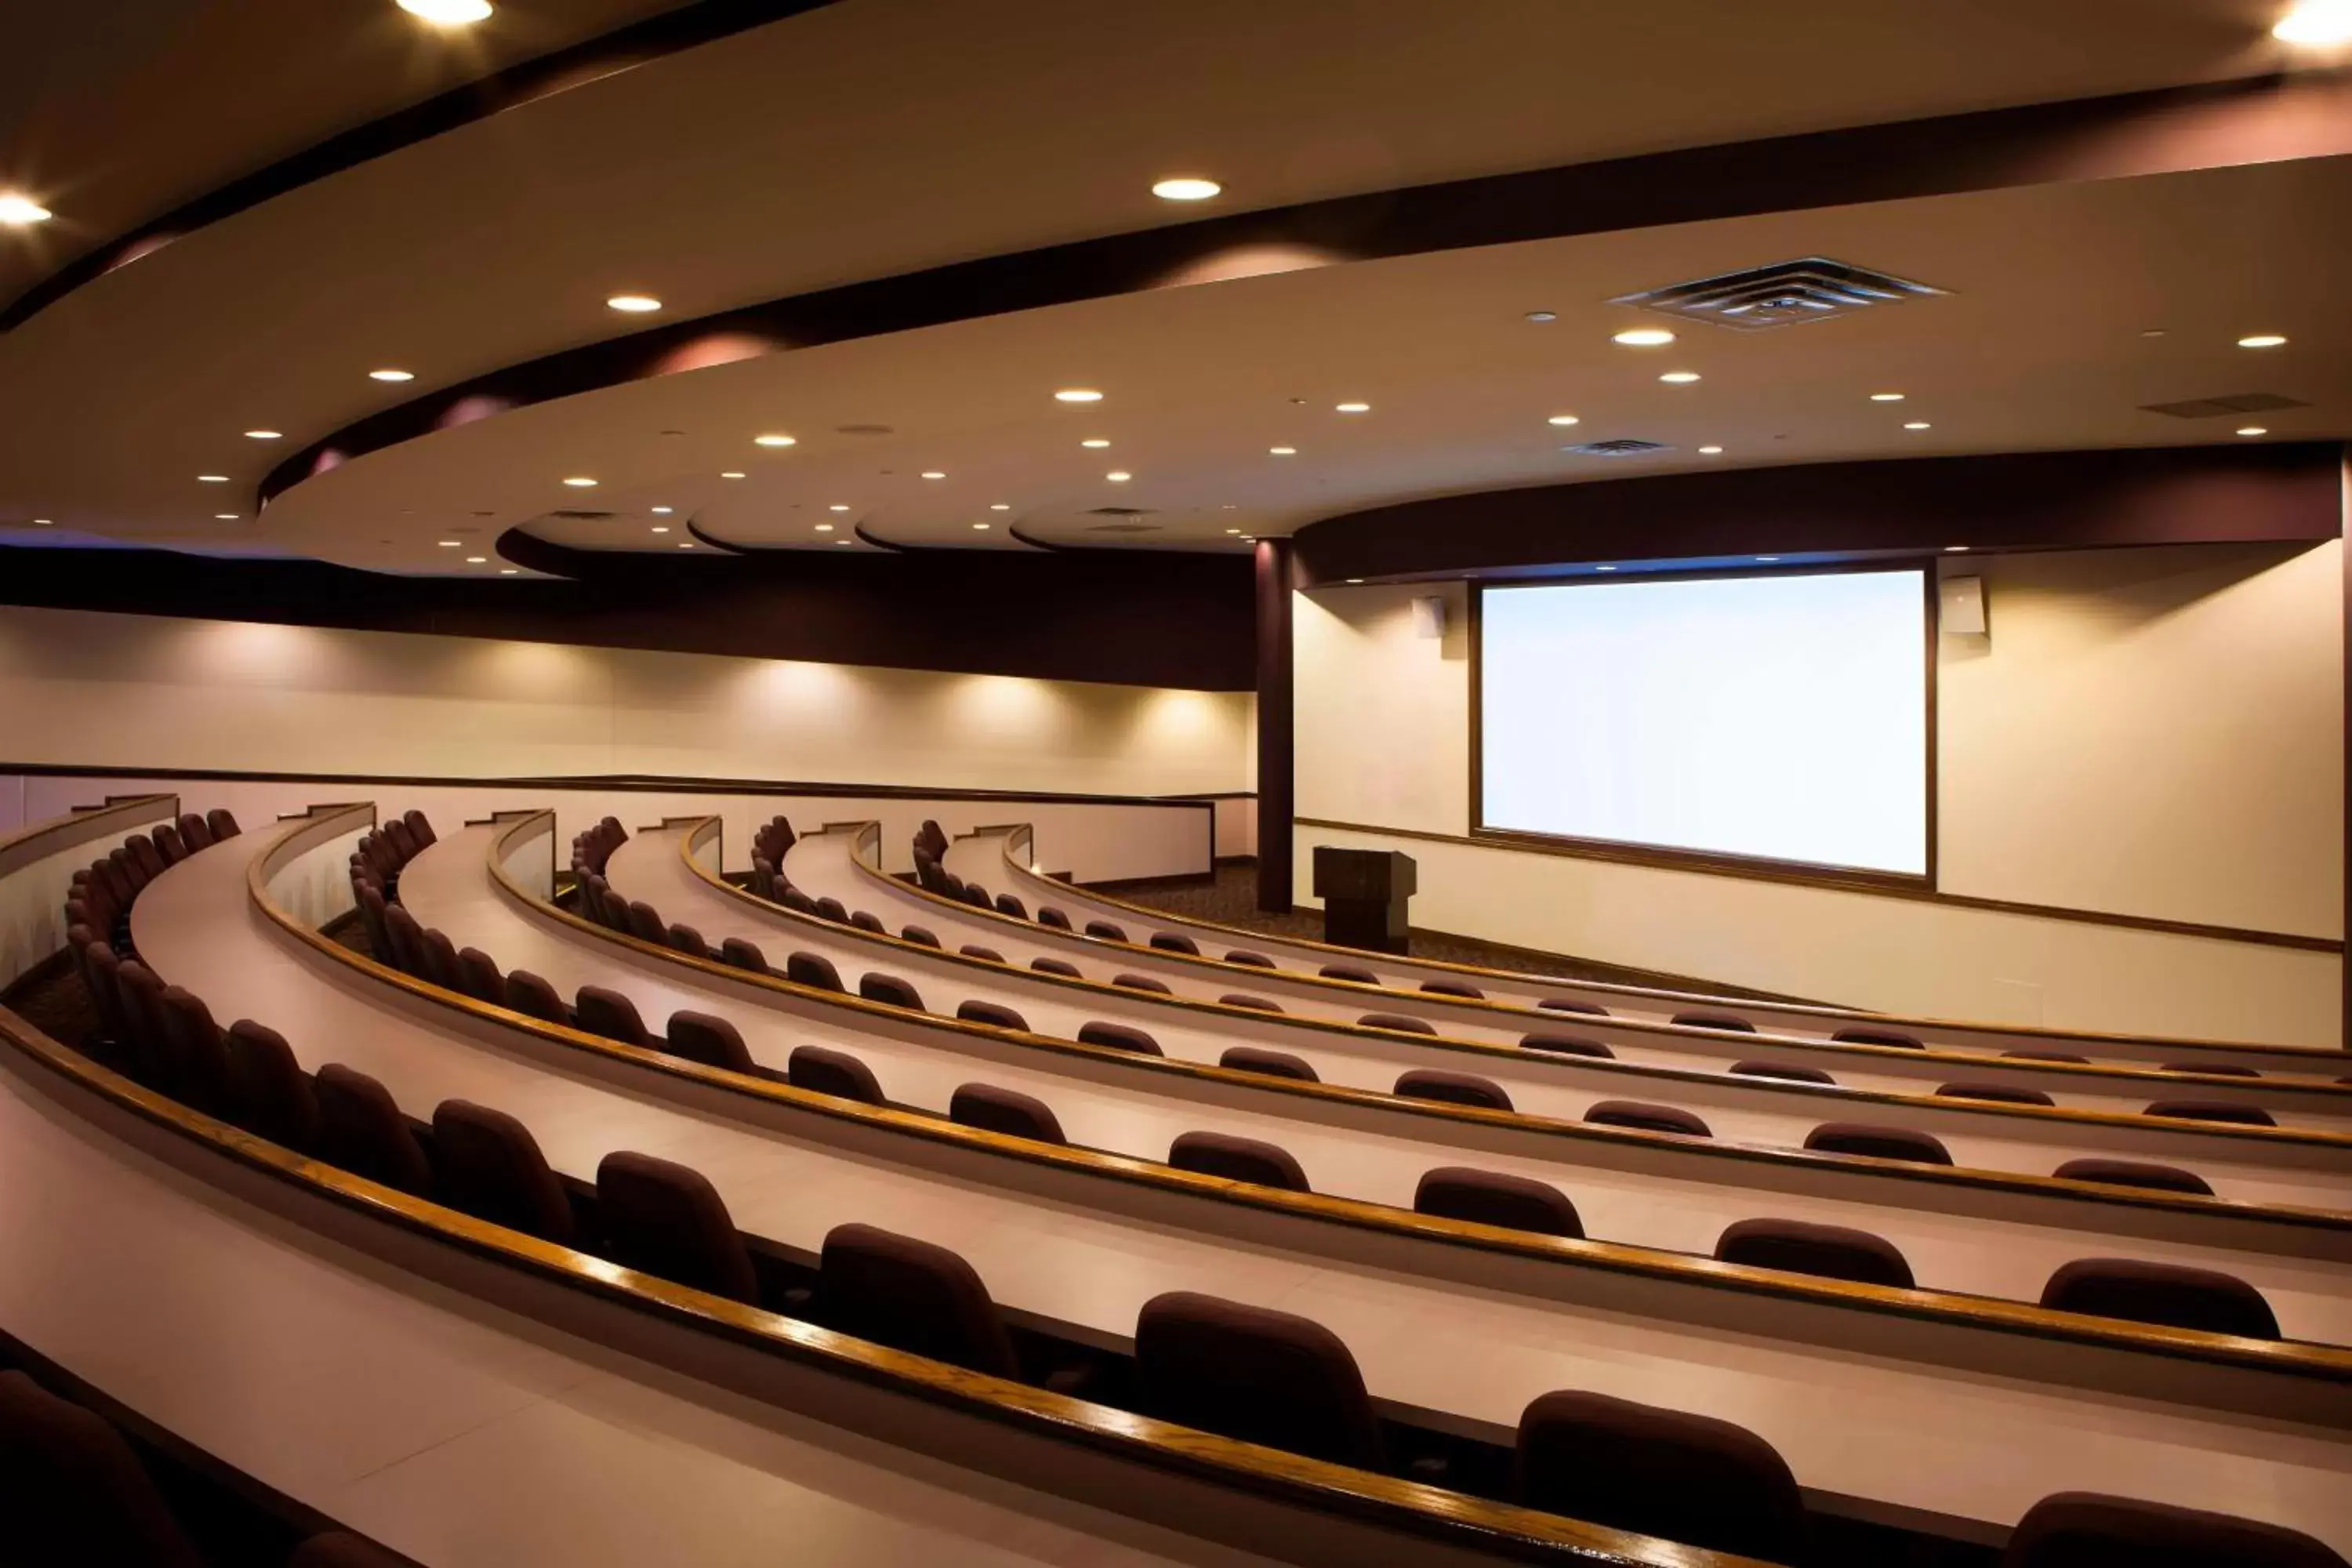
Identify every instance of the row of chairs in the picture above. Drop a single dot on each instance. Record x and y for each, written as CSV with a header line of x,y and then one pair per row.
x,y
101,896
377,859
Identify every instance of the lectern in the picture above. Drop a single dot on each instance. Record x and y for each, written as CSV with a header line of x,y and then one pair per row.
x,y
1364,893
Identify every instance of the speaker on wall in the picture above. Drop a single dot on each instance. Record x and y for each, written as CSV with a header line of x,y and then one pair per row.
x,y
1429,617
1963,607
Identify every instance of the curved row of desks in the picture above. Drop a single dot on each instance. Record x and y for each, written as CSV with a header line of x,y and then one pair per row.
x,y
2282,1165
1002,860
1453,1326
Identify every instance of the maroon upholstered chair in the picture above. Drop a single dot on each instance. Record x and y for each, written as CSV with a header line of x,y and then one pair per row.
x,y
876,987
977,895
407,940
1829,1251
1453,988
922,936
267,1094
866,920
710,1040
975,1011
193,833
1120,1037
813,969
833,910
687,939
986,954
603,1011
1894,1038
1142,983
667,1220
1648,1117
2085,1530
1007,904
2213,1110
911,1296
1489,1197
1397,1021
150,1031
932,837
1175,941
1878,1143
199,1061
487,1164
397,834
1238,1159
1005,1111
645,924
362,1131
479,976
1691,1479
1244,999
73,1492
1715,1021
221,823
1056,967
2134,1173
1253,959
421,827
1272,1064
440,958
1570,1004
1781,1071
743,954
1566,1045
529,995
1454,1087
822,1071
1049,916
1997,1093
2163,1293
1348,972
1105,931
1260,1376
142,850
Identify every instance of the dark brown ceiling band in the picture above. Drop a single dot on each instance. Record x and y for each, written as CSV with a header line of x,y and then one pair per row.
x,y
655,37
2166,129
712,540
863,537
2035,500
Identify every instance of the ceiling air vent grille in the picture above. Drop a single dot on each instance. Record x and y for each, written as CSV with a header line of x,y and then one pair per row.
x,y
578,517
1120,512
1785,294
1624,447
2215,407
1123,527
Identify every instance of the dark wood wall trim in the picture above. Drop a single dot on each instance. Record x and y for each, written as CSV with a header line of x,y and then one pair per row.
x,y
1766,872
2289,492
2308,115
1276,727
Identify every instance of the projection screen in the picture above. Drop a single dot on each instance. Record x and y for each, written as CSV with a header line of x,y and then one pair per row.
x,y
1774,716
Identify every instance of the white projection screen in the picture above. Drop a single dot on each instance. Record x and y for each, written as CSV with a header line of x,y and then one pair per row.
x,y
1779,716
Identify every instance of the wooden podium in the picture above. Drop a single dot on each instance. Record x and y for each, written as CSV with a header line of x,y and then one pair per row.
x,y
1364,894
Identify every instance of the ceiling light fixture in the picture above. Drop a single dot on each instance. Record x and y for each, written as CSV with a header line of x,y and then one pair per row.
x,y
1077,395
841,541
633,304
508,571
2262,341
1118,475
1186,188
447,13
933,474
663,511
1604,569
211,479
1710,451
581,482
391,375
1283,451
22,212
451,544
1563,419
2318,22
1679,377
477,561
732,473
1000,505
225,517
775,441
1644,338
837,507
1956,550
1767,558
264,435
1232,531
686,544
1541,316
980,527
1886,398
43,522
824,528
661,528
1095,442
1353,407
1355,581
2253,430
1917,425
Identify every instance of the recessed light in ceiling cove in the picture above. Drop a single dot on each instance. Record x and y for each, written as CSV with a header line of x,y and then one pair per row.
x,y
448,12
2319,22
1186,188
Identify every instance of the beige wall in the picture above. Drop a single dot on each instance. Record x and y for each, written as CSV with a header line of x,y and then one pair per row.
x,y
79,688
2155,732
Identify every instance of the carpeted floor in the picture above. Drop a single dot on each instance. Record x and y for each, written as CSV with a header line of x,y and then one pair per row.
x,y
1231,899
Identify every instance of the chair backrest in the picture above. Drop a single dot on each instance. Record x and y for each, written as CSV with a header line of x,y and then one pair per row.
x,y
1142,983
1238,1159
800,903
1827,1251
150,859
2213,1110
1049,916
972,893
1056,967
1715,1021
150,1031
1397,1021
975,1011
912,1296
1244,999
1453,988
440,956
973,950
710,1040
1105,931
823,1070
1781,1070
604,1011
1489,1197
1175,941
1566,1045
421,827
1878,1142
407,939
932,837
221,823
1454,1087
1120,1037
667,1220
479,976
1007,904
1690,1478
813,969
73,1492
833,910
397,834
193,833
1349,972
2086,1530
267,1094
864,919
2134,1173
1253,959
645,924
1273,1064
1260,1376
1005,1111
687,939
743,954
2166,1293
922,936
534,997
1648,1117
1875,1037
1998,1093
876,987
199,1058
362,1131
487,1164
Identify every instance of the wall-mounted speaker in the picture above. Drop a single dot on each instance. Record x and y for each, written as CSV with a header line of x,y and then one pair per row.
x,y
1428,618
1963,607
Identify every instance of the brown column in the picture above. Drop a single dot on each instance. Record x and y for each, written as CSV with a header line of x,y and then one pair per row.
x,y
1274,726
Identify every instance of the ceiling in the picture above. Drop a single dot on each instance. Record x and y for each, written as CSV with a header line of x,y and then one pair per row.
x,y
875,137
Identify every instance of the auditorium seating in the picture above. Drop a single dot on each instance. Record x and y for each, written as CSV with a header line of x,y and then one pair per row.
x,y
1262,1376
1647,1118
1833,1252
2084,1530
993,1014
2134,1173
2169,1294
1237,1160
913,1296
1004,1111
1488,1197
1454,1088
876,987
837,1073
1686,1478
1880,1143
486,1164
1273,1064
666,1219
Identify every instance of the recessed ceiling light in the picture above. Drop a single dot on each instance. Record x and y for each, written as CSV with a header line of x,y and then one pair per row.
x,y
933,474
773,441
633,304
1917,425
391,375
661,528
1232,531
1563,419
508,571
225,517
1679,377
2315,22
1886,398
19,212
1118,475
732,473
1355,581
1710,451
1956,550
1353,407
980,527
2253,430
1186,188
452,544
43,522
211,479
581,482
1283,451
841,541
1000,505
686,544
264,435
1077,395
1644,338
824,528
477,561
1543,315
1767,558
663,511
837,507
448,12
1095,442
2262,341
1604,569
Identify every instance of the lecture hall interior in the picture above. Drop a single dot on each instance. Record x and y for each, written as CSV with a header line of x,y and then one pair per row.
x,y
1183,783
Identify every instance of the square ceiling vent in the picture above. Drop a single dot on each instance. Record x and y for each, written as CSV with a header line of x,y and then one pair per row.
x,y
1784,294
